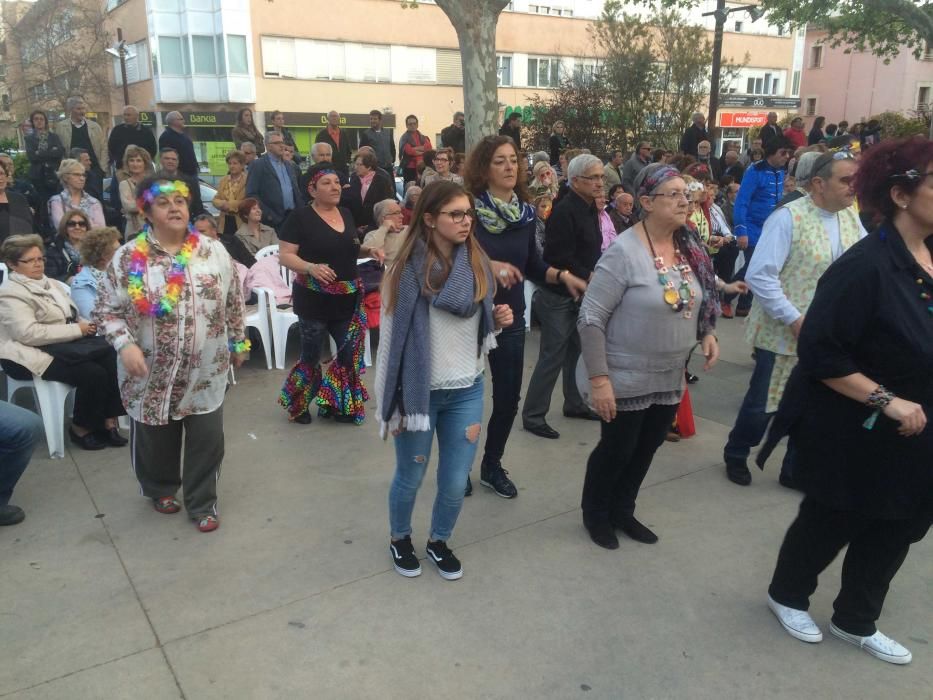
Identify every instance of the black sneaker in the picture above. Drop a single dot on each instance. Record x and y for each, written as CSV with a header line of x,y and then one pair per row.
x,y
448,566
496,478
403,556
468,491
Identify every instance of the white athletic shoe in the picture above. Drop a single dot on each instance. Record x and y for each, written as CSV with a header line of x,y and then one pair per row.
x,y
798,623
878,645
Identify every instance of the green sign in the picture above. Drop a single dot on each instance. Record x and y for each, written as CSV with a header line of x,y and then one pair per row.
x,y
217,156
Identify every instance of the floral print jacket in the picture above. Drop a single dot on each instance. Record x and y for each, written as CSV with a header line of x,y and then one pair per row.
x,y
187,350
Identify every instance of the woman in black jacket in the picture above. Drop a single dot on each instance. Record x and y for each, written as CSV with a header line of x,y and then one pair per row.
x,y
45,152
816,134
512,127
378,185
15,215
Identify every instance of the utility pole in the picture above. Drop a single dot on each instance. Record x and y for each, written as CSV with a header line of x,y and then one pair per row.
x,y
120,52
720,15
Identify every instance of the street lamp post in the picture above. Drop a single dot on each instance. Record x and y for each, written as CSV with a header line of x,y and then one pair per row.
x,y
119,51
721,14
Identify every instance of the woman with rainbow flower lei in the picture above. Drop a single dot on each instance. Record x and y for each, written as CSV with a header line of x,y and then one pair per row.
x,y
172,306
319,244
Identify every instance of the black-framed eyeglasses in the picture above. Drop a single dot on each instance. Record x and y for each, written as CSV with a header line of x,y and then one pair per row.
x,y
592,178
76,222
457,215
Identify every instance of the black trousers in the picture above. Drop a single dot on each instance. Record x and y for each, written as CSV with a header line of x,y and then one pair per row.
x,y
506,363
98,393
877,548
619,463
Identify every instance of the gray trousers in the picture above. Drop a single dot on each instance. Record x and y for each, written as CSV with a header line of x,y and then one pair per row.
x,y
157,459
560,349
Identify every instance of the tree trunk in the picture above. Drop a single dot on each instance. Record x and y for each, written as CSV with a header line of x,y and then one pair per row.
x,y
475,22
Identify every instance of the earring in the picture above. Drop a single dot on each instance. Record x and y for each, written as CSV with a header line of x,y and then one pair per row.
x,y
903,206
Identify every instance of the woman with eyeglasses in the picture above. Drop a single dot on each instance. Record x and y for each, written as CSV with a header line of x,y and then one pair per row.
x,y
38,323
62,255
439,168
439,321
505,229
652,297
73,177
857,407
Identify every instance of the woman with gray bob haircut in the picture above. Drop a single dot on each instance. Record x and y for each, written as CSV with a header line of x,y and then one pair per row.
x,y
651,298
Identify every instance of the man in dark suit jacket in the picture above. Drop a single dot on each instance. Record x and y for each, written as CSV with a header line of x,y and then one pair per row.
x,y
168,166
273,183
174,137
338,140
771,130
695,133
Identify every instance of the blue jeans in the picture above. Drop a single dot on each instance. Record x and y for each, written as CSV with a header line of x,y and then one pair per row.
x,y
506,363
456,415
752,421
20,430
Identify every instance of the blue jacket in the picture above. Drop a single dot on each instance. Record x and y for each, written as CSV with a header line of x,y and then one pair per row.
x,y
263,184
761,189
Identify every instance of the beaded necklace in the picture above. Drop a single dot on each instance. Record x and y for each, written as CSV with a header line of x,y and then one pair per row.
x,y
174,284
680,298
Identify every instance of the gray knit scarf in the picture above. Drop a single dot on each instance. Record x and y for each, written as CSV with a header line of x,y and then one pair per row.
x,y
406,398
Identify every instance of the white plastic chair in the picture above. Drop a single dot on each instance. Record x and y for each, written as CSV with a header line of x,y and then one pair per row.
x,y
267,251
4,274
51,398
261,320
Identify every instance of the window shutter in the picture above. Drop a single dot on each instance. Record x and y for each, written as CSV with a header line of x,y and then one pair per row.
x,y
449,67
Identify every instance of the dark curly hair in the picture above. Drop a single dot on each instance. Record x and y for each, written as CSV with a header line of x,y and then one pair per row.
x,y
479,159
893,163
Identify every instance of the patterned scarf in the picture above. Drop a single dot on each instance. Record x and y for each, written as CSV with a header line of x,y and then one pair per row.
x,y
406,387
497,216
339,390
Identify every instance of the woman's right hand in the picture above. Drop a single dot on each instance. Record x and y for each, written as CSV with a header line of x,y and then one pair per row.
x,y
604,399
505,273
134,361
87,328
322,272
909,414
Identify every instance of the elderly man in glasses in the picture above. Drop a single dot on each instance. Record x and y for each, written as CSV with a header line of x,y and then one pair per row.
x,y
572,244
798,242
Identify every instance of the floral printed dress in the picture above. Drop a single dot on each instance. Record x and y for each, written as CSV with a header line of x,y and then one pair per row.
x,y
186,350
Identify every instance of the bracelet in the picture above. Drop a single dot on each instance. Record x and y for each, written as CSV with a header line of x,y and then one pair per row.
x,y
559,273
238,346
879,398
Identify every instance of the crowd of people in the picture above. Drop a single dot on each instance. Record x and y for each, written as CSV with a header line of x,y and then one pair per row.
x,y
821,240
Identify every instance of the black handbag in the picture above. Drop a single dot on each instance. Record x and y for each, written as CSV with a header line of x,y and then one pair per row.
x,y
93,347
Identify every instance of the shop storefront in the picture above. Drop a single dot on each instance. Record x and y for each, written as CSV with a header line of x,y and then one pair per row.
x,y
739,113
305,126
210,132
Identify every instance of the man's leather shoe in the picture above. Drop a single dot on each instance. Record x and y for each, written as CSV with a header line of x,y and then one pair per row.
x,y
737,471
603,535
11,515
543,430
634,529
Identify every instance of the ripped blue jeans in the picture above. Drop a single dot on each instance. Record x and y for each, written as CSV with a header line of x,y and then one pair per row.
x,y
456,416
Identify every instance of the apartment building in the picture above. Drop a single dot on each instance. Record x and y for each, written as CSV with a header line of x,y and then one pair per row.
x,y
209,58
856,85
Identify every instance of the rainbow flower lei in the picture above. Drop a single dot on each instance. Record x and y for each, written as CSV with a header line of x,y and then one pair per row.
x,y
176,277
238,346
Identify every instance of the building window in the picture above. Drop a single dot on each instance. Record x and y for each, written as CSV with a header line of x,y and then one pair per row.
x,y
816,56
205,55
504,71
738,25
323,60
584,71
137,64
543,72
923,98
449,67
421,65
278,57
371,63
795,89
173,55
236,54
811,106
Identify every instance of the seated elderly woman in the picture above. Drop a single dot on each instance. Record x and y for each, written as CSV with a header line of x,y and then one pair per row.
x,y
42,334
97,249
62,256
412,193
254,234
390,232
73,195
206,225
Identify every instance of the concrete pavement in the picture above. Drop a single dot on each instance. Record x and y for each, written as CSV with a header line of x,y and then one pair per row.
x,y
295,595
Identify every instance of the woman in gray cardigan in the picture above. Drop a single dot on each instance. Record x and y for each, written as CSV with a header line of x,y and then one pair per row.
x,y
652,297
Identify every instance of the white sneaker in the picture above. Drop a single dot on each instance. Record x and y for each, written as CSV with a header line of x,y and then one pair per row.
x,y
798,623
878,645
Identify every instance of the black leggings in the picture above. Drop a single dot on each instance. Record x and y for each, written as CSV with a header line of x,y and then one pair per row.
x,y
98,392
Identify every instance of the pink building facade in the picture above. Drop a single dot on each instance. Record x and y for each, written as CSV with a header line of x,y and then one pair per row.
x,y
855,86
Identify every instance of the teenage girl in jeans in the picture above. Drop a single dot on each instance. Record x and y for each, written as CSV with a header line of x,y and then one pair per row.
x,y
438,324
